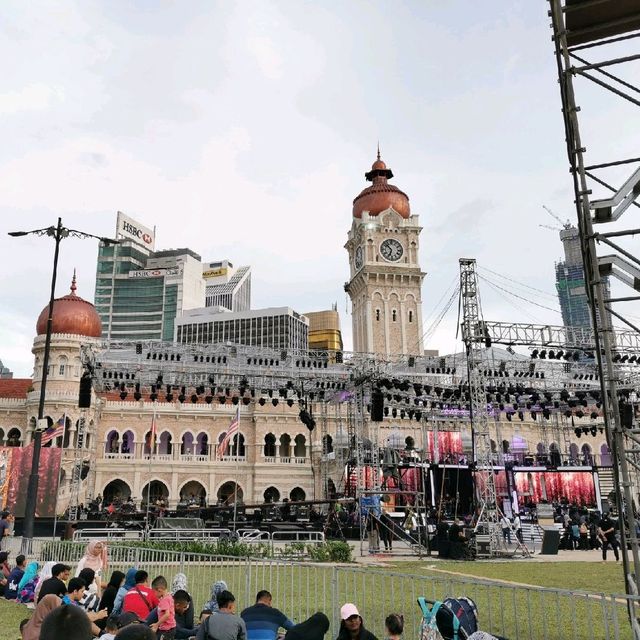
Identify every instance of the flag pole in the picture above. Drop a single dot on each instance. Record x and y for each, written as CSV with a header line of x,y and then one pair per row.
x,y
152,446
235,502
55,512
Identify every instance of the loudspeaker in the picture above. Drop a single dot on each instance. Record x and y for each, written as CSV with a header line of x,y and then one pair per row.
x,y
377,406
84,395
626,414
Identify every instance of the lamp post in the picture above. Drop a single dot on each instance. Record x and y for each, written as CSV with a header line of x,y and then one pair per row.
x,y
58,233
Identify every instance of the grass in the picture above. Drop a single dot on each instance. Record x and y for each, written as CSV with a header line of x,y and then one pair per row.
x,y
11,615
593,577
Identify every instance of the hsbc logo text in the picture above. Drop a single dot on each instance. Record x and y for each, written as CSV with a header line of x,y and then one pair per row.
x,y
138,233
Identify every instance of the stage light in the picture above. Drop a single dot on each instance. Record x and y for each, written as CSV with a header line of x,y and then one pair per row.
x,y
246,401
578,433
222,399
181,398
594,431
262,402
169,396
534,353
543,354
194,398
208,399
234,400
200,390
123,395
508,415
290,402
306,419
274,402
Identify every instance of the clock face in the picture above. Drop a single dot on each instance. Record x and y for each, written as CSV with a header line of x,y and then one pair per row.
x,y
358,258
391,250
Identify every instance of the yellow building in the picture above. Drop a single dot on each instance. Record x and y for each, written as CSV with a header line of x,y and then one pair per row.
x,y
324,330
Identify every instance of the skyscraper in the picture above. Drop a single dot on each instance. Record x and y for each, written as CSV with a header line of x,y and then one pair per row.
x,y
570,284
140,291
227,286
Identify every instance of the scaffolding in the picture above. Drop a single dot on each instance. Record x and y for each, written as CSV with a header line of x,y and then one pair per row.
x,y
604,29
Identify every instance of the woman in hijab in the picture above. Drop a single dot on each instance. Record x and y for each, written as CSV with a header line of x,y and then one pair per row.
x,y
109,594
314,628
31,630
217,588
95,557
27,585
179,583
44,574
129,583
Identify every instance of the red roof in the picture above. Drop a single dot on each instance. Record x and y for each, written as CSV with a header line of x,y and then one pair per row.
x,y
15,387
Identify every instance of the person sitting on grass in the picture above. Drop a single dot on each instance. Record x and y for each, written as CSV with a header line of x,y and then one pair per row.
x,y
263,620
136,632
27,586
223,625
129,583
394,626
184,616
110,629
141,599
89,600
352,625
313,628
67,622
31,630
55,585
11,590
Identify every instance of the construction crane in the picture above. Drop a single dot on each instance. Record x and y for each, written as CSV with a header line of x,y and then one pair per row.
x,y
565,225
548,226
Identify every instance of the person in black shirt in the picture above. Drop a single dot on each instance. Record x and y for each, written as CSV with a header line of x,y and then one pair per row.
x,y
607,535
55,585
111,590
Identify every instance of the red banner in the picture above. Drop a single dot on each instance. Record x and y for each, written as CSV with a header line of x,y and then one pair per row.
x,y
449,442
15,468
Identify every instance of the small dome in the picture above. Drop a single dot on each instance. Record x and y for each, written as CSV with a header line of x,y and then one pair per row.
x,y
71,315
381,195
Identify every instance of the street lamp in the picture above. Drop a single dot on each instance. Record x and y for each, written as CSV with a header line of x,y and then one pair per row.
x,y
58,233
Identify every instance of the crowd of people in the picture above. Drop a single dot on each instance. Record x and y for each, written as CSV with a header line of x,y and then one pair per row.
x,y
132,606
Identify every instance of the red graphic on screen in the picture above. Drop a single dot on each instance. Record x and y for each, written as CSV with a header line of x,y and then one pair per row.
x,y
552,486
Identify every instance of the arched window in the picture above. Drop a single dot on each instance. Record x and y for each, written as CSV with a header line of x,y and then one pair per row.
x,y
378,315
505,446
271,494
587,458
605,455
112,442
127,442
186,446
165,445
410,316
327,444
13,437
393,315
554,454
1,437
574,453
300,448
237,446
269,446
285,445
62,365
297,494
202,444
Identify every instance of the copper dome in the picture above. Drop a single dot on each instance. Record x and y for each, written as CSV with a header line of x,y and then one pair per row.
x,y
380,195
71,315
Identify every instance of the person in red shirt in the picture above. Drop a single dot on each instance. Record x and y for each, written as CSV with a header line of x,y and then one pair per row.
x,y
140,600
165,628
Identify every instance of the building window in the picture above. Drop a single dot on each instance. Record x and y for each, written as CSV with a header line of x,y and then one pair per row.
x,y
61,370
393,315
378,315
410,316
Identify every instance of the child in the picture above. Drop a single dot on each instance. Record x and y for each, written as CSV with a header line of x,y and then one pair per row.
x,y
165,628
394,626
110,629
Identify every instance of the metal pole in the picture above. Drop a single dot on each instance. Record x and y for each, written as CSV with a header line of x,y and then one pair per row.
x,y
235,502
55,512
32,487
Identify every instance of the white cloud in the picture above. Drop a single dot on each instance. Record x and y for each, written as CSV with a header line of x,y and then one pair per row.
x,y
34,97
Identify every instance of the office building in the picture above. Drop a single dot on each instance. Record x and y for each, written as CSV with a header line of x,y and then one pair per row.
x,y
5,373
227,286
324,330
139,291
272,328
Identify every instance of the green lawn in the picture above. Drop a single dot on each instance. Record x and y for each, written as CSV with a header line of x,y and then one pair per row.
x,y
594,577
11,615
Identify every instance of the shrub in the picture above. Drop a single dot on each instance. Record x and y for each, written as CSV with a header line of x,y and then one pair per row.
x,y
330,551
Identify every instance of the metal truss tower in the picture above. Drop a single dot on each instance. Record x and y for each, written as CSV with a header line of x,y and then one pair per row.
x,y
76,472
604,28
488,520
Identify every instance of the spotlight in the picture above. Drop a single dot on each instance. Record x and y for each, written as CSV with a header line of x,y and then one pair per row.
x,y
169,396
234,400
543,354
578,433
307,419
181,398
534,353
594,431
123,395
274,402
290,402
246,401
208,399
222,399
262,402
194,398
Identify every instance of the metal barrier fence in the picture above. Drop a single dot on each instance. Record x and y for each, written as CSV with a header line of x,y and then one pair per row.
x,y
300,589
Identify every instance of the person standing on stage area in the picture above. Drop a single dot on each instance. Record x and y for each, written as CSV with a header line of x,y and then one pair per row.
x,y
607,535
506,528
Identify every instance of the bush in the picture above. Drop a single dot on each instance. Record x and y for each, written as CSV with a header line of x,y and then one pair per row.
x,y
219,548
330,551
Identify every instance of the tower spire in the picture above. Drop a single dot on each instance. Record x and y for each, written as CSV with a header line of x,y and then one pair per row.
x,y
378,149
73,283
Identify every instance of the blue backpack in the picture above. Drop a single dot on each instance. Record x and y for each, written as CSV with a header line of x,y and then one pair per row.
x,y
450,619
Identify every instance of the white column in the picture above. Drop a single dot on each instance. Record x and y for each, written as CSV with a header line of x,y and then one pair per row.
x,y
386,327
419,327
403,328
369,327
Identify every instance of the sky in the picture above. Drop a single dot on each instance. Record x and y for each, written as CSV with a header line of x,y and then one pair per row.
x,y
243,131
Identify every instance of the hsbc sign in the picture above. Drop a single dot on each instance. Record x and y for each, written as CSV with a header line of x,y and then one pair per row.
x,y
129,229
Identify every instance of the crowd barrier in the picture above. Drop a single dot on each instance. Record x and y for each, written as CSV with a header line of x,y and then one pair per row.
x,y
302,588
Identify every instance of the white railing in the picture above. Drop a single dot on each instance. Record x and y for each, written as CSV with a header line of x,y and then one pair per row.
x,y
192,457
303,460
285,459
119,456
253,535
298,536
108,533
233,458
269,458
187,534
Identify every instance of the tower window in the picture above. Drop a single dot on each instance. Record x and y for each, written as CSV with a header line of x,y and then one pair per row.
x,y
378,315
410,316
393,315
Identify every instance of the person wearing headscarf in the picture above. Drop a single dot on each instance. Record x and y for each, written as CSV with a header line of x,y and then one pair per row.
x,y
31,630
27,585
314,628
109,594
216,589
179,583
129,583
95,557
45,574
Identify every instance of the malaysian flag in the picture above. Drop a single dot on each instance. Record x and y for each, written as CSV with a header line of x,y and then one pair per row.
x,y
231,431
55,430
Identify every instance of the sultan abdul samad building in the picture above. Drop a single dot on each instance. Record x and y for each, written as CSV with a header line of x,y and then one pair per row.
x,y
271,456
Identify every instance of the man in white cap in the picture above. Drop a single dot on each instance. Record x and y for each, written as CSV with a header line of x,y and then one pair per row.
x,y
351,625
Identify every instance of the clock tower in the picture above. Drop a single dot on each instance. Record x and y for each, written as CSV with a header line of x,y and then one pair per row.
x,y
385,284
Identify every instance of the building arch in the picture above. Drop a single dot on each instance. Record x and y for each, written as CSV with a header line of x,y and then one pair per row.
x,y
327,444
128,441
227,492
587,457
574,452
193,491
165,443
297,494
156,489
605,455
300,446
271,494
62,367
112,442
202,444
269,446
187,443
237,446
116,490
285,446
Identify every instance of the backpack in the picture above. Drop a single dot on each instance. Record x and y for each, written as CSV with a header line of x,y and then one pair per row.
x,y
451,619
